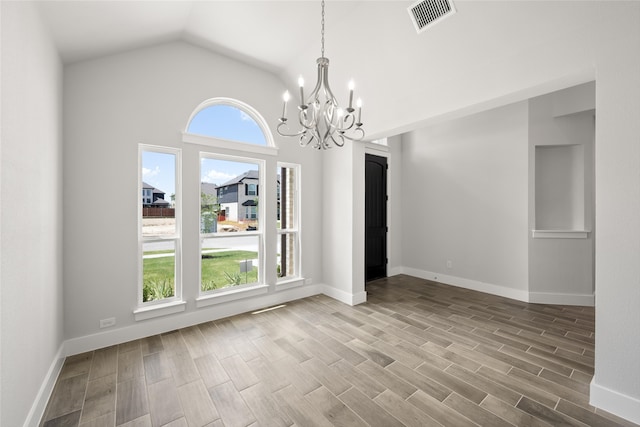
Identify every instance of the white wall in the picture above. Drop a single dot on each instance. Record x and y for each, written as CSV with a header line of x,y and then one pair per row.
x,y
146,96
31,215
464,185
561,269
616,384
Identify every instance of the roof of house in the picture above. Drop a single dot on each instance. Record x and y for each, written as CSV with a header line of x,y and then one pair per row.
x,y
155,190
161,202
252,174
208,188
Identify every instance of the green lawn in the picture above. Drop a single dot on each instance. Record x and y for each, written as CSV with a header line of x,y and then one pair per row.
x,y
219,270
222,269
158,277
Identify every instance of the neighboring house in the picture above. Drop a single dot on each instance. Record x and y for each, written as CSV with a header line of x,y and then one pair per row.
x,y
238,198
152,197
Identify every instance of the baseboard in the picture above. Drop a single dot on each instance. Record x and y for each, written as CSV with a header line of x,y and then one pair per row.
x,y
616,403
562,299
345,297
168,323
159,325
46,389
394,271
517,294
475,285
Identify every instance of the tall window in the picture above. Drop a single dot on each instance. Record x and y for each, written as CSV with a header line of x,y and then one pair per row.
x,y
288,221
230,230
159,218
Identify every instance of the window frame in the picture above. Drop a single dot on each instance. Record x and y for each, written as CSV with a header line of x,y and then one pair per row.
x,y
295,230
215,142
174,303
250,191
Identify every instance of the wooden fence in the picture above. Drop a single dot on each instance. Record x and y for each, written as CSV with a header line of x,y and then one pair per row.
x,y
158,212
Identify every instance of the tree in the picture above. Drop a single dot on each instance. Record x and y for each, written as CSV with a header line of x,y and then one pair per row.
x,y
209,209
209,203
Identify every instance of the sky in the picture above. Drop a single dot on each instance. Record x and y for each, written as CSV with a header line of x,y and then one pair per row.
x,y
220,121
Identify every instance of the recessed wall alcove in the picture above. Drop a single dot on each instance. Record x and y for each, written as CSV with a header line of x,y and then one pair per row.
x,y
559,190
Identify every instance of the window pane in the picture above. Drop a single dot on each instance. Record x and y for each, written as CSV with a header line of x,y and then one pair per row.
x,y
229,196
229,261
158,194
288,255
227,122
287,250
158,270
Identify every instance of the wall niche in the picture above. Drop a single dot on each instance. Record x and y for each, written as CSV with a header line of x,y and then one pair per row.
x,y
559,188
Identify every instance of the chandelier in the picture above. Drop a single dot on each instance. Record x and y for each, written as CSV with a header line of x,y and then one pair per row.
x,y
322,121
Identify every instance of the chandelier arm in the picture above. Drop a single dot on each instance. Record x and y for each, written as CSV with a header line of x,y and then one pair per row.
x,y
306,139
283,133
341,141
330,117
348,122
316,90
308,118
358,137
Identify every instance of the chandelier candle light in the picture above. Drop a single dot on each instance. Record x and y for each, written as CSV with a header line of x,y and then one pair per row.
x,y
322,121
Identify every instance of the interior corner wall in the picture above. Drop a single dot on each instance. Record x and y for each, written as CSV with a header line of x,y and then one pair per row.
x,y
464,201
561,270
31,216
344,218
338,258
111,105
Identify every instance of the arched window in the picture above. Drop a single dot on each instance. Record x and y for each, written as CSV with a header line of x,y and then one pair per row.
x,y
229,123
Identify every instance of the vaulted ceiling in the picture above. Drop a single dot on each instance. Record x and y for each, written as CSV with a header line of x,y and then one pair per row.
x,y
269,34
403,77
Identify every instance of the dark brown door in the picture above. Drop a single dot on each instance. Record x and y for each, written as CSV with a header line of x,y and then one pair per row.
x,y
375,216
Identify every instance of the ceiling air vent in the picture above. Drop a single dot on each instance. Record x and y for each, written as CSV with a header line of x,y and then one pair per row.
x,y
425,13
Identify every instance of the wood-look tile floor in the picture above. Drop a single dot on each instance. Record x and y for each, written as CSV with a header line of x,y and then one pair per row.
x,y
418,353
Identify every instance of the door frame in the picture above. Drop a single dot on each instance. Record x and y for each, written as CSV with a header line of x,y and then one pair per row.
x,y
380,151
384,271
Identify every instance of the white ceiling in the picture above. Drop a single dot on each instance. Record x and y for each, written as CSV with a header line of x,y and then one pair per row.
x,y
480,54
269,34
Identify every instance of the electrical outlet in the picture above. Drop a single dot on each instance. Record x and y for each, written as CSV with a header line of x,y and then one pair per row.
x,y
107,323
308,281
449,264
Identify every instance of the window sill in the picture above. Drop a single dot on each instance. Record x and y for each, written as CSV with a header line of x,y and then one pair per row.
x,y
288,283
230,295
157,310
560,234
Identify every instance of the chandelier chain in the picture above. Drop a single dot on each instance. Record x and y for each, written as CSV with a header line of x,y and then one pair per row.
x,y
322,31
